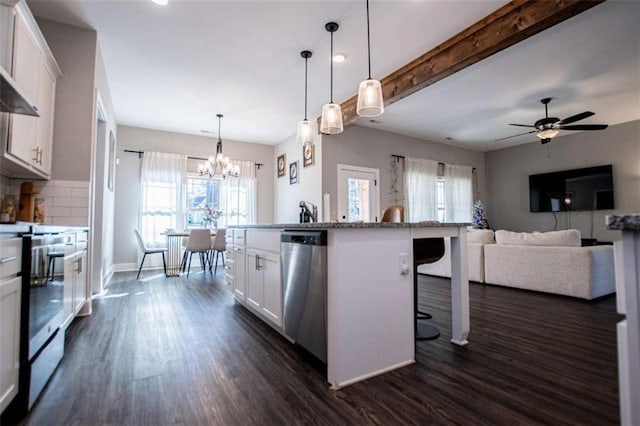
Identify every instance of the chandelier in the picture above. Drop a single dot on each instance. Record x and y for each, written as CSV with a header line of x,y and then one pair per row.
x,y
218,165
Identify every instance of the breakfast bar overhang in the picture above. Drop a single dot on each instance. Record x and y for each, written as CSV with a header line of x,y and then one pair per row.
x,y
370,318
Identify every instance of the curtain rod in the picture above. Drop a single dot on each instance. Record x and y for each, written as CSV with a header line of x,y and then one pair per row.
x,y
140,153
402,157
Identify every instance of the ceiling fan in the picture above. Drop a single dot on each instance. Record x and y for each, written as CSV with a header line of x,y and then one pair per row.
x,y
548,127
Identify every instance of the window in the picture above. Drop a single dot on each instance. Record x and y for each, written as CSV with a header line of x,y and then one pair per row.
x,y
161,195
201,192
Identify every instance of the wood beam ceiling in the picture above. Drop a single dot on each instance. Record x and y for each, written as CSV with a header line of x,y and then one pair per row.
x,y
512,23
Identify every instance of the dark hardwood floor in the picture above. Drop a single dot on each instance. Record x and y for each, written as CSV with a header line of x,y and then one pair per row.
x,y
180,351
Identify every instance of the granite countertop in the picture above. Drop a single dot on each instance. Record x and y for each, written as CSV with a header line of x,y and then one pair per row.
x,y
623,222
349,225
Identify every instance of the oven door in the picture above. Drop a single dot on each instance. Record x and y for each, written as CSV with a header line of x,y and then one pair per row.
x,y
46,288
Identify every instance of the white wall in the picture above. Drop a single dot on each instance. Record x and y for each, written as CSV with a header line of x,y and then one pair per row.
x,y
308,188
508,173
75,51
365,147
128,177
75,138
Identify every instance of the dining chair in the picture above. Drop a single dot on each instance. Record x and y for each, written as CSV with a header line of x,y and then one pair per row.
x,y
149,250
199,242
219,247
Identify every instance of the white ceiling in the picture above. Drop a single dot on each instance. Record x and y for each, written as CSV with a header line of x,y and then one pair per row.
x,y
174,67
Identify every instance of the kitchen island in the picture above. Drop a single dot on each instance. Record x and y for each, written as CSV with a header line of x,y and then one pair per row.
x,y
370,292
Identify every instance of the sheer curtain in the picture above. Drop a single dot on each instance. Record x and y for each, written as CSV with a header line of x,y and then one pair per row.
x,y
162,194
238,196
458,193
420,178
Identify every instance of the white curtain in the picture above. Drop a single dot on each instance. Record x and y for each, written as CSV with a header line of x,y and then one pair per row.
x,y
238,196
162,195
458,193
420,178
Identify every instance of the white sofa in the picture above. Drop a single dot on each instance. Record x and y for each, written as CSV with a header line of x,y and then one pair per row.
x,y
476,239
551,262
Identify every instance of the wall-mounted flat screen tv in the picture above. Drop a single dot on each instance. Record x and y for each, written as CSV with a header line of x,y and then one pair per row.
x,y
572,190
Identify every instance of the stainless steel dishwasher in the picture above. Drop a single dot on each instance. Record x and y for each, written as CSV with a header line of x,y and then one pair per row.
x,y
304,275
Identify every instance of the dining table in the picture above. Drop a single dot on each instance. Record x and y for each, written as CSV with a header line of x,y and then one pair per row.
x,y
174,250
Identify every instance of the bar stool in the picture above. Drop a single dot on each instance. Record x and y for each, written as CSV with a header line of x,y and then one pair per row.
x,y
425,250
51,265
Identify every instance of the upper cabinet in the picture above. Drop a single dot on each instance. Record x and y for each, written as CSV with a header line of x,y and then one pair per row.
x,y
27,148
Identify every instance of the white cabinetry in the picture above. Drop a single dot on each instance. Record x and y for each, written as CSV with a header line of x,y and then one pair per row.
x,y
10,291
235,268
27,151
263,276
75,280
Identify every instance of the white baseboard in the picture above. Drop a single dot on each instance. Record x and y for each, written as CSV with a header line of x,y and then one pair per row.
x,y
128,267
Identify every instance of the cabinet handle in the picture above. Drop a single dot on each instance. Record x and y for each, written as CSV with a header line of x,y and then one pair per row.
x,y
40,156
35,154
7,259
257,262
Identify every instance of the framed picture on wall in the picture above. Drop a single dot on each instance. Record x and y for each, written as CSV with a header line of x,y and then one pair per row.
x,y
308,155
282,161
293,173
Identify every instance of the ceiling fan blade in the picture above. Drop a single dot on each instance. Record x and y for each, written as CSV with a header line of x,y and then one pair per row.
x,y
521,125
584,127
513,136
577,117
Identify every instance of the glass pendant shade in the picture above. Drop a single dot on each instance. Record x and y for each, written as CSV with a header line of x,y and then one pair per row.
x,y
331,121
306,132
370,102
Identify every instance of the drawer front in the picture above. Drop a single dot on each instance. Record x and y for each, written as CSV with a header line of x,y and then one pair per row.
x,y
238,237
10,257
264,240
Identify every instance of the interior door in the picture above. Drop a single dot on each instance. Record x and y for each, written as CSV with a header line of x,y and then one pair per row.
x,y
358,194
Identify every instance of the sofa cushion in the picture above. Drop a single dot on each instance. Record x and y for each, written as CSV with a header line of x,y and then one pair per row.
x,y
567,238
480,236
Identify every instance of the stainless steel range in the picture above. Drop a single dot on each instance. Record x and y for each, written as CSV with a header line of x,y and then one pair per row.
x,y
41,339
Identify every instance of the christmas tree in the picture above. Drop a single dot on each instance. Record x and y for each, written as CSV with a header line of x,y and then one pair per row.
x,y
479,217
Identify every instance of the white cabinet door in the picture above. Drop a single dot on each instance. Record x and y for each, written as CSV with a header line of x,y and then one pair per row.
x,y
80,282
254,279
272,288
46,105
239,272
10,290
26,73
69,278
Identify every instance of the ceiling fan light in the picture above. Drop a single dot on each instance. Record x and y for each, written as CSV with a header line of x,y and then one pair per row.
x,y
370,101
331,121
547,133
306,132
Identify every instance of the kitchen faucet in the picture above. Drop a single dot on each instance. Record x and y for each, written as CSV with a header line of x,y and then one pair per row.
x,y
313,213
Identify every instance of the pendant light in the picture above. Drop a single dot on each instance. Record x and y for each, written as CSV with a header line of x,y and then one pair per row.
x,y
218,165
370,102
306,128
331,121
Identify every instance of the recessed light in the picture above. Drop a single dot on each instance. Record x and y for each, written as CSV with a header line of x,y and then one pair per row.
x,y
339,57
161,2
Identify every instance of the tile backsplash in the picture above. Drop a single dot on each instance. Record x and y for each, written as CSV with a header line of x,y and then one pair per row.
x,y
65,202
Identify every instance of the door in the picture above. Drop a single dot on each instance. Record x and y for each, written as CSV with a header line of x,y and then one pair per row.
x,y
46,105
26,73
358,194
254,279
239,273
272,286
80,283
